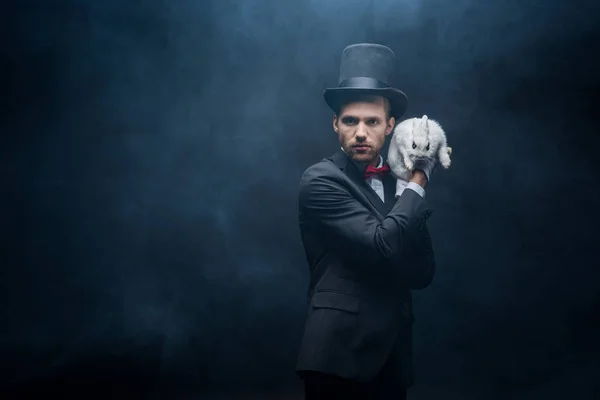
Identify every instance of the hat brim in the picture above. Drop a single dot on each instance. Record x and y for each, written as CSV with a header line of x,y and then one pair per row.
x,y
398,100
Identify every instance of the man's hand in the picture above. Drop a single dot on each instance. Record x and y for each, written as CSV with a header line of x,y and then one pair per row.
x,y
419,178
424,165
421,172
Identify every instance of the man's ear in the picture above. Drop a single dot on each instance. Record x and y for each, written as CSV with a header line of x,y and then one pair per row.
x,y
390,126
335,120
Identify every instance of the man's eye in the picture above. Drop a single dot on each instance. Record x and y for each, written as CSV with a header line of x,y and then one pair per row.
x,y
372,122
349,121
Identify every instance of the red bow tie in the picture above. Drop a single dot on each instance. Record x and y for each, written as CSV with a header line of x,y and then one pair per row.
x,y
371,171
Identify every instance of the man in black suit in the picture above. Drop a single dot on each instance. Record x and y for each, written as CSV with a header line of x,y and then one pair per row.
x,y
366,243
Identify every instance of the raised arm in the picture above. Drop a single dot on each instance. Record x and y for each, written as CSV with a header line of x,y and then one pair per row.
x,y
327,207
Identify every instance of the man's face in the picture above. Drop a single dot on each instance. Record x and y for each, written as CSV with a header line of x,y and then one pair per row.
x,y
362,128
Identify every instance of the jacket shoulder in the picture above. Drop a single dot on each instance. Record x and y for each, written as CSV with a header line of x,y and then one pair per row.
x,y
325,168
319,173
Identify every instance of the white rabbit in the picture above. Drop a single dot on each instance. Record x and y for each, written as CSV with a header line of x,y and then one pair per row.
x,y
415,138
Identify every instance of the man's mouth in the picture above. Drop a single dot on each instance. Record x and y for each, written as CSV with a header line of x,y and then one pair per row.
x,y
360,147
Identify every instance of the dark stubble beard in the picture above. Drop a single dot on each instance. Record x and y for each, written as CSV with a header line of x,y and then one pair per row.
x,y
363,158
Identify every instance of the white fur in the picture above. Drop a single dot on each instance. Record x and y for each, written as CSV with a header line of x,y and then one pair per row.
x,y
422,132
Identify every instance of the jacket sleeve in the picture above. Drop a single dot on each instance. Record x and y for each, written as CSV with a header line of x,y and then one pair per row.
x,y
420,258
327,207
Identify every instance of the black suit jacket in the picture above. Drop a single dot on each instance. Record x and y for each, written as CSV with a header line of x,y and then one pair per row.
x,y
365,257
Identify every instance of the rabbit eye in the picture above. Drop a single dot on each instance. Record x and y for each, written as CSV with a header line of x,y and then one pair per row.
x,y
414,145
427,148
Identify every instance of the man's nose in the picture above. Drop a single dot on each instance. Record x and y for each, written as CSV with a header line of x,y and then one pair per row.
x,y
361,131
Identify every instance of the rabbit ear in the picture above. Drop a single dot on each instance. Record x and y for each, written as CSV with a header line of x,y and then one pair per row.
x,y
425,125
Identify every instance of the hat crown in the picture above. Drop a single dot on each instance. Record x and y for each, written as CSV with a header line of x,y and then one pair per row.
x,y
367,60
367,69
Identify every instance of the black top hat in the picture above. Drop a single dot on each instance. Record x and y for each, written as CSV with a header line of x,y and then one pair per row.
x,y
366,69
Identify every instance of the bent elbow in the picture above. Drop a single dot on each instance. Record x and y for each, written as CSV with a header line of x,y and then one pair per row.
x,y
424,277
422,284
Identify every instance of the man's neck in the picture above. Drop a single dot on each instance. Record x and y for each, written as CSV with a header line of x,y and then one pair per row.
x,y
377,162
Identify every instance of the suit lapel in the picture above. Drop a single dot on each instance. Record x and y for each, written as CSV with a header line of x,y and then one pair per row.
x,y
356,176
389,189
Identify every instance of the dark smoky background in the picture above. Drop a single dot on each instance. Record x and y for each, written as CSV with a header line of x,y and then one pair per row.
x,y
151,154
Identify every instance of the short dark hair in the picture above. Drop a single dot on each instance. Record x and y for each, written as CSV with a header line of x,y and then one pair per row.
x,y
366,98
